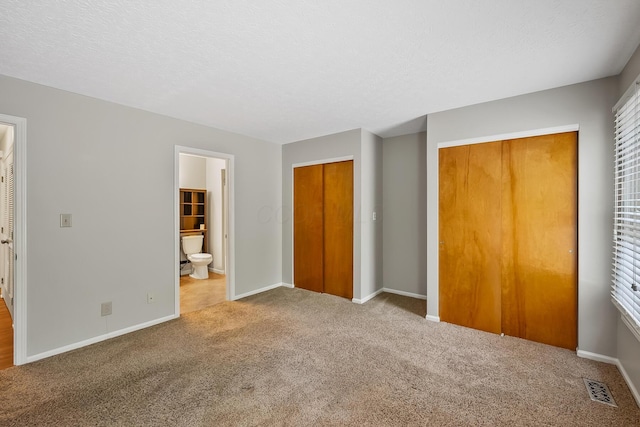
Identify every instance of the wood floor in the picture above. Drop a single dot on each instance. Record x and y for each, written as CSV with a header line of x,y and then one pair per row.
x,y
196,294
6,337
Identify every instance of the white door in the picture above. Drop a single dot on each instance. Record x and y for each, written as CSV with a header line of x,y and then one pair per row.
x,y
4,290
225,204
7,253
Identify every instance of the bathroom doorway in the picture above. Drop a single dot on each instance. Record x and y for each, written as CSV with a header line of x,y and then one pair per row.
x,y
6,248
204,210
13,283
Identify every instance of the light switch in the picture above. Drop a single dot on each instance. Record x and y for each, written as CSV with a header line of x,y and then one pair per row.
x,y
65,220
374,216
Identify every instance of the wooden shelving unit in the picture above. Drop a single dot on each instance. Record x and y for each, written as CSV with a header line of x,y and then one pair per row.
x,y
193,213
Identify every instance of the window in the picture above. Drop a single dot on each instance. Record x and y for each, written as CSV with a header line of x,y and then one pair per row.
x,y
626,230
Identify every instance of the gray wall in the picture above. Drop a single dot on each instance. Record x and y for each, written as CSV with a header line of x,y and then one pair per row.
x,y
112,167
630,72
628,355
366,149
317,149
371,249
628,345
588,105
405,218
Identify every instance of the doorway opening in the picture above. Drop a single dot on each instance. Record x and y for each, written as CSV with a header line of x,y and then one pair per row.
x,y
204,215
6,246
13,241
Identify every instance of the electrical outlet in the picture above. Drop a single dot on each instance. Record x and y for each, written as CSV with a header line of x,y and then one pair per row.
x,y
105,309
150,298
374,216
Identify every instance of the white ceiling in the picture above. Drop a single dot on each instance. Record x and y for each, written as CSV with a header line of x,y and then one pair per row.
x,y
286,70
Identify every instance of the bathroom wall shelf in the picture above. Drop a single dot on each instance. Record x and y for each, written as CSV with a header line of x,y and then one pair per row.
x,y
193,213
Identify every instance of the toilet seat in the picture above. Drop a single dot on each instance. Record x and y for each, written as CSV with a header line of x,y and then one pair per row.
x,y
199,257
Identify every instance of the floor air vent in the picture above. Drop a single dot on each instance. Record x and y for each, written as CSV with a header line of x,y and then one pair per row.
x,y
599,392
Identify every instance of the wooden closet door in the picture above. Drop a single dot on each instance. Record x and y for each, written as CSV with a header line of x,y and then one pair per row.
x,y
338,229
539,214
308,228
470,235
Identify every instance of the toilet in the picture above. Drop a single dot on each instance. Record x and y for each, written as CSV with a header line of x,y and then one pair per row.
x,y
191,246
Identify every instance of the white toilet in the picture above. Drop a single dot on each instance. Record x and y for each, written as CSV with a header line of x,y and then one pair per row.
x,y
191,246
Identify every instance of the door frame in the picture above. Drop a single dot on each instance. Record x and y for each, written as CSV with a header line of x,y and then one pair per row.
x,y
313,163
20,237
512,135
230,210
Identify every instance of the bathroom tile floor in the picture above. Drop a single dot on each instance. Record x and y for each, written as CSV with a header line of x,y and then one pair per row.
x,y
196,294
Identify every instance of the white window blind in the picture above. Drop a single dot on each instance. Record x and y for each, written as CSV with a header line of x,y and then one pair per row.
x,y
626,231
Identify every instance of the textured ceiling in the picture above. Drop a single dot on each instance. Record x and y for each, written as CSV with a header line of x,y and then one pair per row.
x,y
285,70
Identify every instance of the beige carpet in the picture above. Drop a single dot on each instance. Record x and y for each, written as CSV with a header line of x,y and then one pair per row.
x,y
292,357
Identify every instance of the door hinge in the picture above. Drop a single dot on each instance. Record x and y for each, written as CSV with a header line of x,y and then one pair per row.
x,y
2,280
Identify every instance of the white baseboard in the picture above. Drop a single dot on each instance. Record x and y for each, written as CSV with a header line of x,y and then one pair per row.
x,y
215,270
597,357
259,291
391,291
613,361
98,339
367,298
627,379
287,285
432,318
404,294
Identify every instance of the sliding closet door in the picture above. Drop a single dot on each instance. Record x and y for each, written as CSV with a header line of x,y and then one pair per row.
x,y
539,213
308,227
338,229
323,228
470,235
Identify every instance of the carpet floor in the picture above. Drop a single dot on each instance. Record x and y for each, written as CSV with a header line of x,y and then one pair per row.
x,y
295,358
